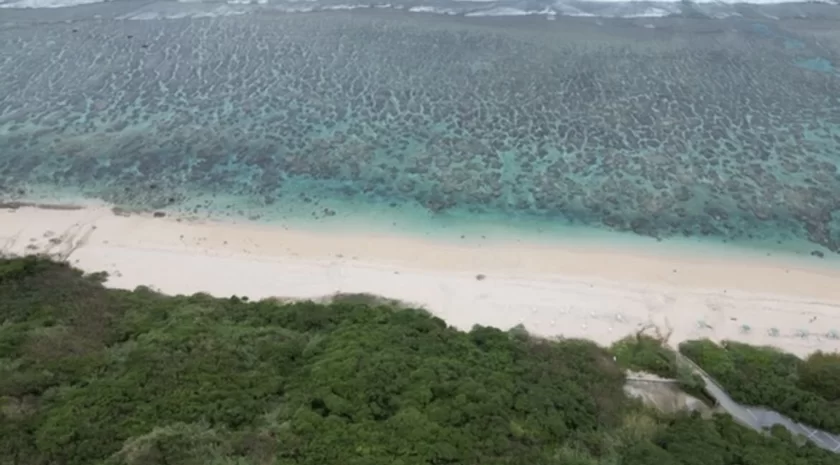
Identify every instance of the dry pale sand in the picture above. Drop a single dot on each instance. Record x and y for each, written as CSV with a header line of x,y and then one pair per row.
x,y
598,293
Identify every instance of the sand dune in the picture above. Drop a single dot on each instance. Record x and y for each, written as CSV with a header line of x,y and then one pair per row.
x,y
600,293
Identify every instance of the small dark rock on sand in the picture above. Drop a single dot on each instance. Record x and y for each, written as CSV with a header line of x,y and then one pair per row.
x,y
817,253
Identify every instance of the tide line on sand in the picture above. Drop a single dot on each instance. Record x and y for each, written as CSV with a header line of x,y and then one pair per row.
x,y
602,293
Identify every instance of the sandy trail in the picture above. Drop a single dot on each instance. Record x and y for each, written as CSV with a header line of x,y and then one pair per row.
x,y
598,293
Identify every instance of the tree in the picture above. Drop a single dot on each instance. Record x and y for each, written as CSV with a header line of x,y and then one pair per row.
x,y
820,373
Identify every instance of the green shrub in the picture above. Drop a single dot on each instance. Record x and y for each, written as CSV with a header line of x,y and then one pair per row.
x,y
644,353
820,374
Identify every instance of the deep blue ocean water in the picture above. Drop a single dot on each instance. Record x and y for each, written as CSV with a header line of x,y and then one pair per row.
x,y
678,127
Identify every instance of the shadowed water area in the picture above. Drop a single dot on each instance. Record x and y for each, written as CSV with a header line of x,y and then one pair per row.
x,y
728,129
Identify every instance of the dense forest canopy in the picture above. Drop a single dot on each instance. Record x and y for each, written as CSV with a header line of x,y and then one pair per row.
x,y
90,375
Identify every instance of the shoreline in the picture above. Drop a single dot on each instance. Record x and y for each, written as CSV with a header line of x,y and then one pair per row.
x,y
601,292
454,229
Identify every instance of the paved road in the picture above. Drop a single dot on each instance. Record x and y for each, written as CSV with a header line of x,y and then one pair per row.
x,y
759,418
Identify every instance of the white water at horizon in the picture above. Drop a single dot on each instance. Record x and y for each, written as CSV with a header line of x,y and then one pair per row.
x,y
471,8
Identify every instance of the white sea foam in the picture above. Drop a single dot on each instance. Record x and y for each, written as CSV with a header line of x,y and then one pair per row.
x,y
346,7
432,9
649,13
547,8
45,3
247,2
569,10
634,10
502,11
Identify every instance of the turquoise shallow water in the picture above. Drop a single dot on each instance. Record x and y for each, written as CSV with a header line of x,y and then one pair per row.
x,y
706,132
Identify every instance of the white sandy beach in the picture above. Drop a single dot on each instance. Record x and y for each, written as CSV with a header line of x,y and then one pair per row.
x,y
599,293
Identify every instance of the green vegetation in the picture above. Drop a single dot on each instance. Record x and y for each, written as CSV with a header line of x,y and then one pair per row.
x,y
648,354
820,374
641,352
94,376
807,391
